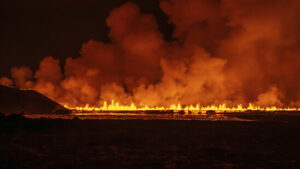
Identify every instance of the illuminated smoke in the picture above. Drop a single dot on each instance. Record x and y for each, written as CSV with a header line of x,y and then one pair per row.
x,y
21,76
6,82
224,51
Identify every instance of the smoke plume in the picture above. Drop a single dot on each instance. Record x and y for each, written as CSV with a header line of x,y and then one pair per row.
x,y
223,51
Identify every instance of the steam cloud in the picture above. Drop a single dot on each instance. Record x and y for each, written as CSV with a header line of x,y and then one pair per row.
x,y
224,51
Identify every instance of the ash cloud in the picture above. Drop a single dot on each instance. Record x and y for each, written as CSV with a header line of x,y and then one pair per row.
x,y
225,51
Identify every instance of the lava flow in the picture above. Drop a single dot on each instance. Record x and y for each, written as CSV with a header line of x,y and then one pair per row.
x,y
115,106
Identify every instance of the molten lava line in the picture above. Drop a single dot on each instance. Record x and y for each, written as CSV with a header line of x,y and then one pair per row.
x,y
115,106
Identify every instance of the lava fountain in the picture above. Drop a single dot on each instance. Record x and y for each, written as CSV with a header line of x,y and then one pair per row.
x,y
115,106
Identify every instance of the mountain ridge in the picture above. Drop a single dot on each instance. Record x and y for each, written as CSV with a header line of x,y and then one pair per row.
x,y
17,101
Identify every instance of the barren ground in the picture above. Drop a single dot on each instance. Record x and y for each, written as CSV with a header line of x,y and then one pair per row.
x,y
272,141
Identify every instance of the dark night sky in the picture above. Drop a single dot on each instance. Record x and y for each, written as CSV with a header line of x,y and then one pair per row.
x,y
33,29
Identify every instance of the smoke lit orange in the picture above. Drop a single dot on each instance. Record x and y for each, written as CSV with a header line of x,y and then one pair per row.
x,y
221,54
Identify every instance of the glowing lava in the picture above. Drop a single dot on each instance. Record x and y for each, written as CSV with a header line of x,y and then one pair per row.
x,y
115,106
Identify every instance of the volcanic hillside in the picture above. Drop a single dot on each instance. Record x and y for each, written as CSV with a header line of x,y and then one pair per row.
x,y
27,101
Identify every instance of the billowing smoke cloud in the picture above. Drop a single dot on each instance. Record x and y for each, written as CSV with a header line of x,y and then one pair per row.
x,y
6,82
22,77
269,98
49,77
224,51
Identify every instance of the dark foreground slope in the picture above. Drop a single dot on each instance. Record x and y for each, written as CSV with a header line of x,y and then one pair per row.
x,y
26,101
95,144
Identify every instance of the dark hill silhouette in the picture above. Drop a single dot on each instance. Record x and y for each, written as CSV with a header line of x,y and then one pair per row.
x,y
13,100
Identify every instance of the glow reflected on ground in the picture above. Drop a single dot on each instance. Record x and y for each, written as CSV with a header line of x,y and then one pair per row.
x,y
104,115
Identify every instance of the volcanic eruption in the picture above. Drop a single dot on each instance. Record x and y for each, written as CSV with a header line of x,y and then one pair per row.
x,y
223,52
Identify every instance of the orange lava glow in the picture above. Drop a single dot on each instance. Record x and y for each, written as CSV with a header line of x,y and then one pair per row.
x,y
219,55
115,106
